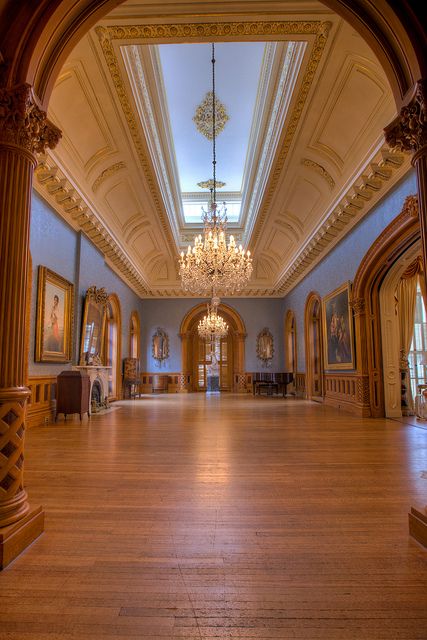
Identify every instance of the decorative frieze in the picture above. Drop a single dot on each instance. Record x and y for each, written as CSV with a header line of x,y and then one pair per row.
x,y
320,170
203,118
109,171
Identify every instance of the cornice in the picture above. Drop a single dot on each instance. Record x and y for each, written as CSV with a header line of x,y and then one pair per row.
x,y
367,189
53,185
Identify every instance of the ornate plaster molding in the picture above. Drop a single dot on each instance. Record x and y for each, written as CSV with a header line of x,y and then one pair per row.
x,y
209,184
23,123
60,193
351,208
320,170
203,118
408,132
321,31
109,171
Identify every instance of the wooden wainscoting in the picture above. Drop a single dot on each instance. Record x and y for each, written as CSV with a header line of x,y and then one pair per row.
x,y
300,385
348,391
160,382
41,403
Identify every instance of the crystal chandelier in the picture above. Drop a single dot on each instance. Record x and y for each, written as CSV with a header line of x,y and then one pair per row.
x,y
211,262
212,326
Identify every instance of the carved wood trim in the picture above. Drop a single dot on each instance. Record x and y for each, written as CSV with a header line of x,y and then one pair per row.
x,y
42,402
390,245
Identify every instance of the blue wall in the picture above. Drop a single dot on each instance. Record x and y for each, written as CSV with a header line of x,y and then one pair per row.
x,y
256,314
342,263
57,246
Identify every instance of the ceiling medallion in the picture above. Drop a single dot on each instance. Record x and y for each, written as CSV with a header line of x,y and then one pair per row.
x,y
204,116
208,184
212,326
211,263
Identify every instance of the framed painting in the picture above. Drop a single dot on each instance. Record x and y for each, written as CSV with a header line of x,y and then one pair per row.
x,y
54,317
338,329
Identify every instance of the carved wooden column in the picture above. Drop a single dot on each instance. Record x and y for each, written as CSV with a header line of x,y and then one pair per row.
x,y
408,132
24,131
363,381
185,375
239,368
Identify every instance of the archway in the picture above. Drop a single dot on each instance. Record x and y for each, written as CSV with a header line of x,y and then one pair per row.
x,y
193,360
387,250
314,346
134,335
290,342
113,346
36,40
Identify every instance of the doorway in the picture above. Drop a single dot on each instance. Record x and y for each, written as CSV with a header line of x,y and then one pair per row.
x,y
314,347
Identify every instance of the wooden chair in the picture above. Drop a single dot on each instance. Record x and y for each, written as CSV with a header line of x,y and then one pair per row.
x,y
131,379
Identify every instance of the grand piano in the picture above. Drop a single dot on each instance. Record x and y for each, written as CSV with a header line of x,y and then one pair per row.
x,y
271,382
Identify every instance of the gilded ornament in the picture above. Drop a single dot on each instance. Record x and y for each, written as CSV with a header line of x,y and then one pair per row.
x,y
408,132
23,123
203,118
109,171
319,169
209,184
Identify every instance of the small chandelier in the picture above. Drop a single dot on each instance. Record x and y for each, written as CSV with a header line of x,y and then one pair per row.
x,y
212,326
211,262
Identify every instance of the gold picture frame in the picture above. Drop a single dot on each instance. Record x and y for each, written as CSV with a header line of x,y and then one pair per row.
x,y
55,307
93,327
337,319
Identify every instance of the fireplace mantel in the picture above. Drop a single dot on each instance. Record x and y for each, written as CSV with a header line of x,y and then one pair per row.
x,y
99,373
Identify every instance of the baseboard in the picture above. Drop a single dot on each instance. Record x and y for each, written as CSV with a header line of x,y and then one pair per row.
x,y
348,405
418,525
18,536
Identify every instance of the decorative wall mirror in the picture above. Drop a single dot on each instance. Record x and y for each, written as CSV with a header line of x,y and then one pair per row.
x,y
160,346
265,347
93,327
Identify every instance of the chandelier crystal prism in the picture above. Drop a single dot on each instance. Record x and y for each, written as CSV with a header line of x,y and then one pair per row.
x,y
212,326
211,262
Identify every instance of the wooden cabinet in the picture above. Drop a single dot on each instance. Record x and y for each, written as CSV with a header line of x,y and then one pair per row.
x,y
72,393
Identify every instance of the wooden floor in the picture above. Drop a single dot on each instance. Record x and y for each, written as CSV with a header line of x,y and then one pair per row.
x,y
221,518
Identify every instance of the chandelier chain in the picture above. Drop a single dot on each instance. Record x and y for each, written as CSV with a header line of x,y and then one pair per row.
x,y
213,123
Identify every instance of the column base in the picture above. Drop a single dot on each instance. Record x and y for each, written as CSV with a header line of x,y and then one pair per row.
x,y
18,536
418,526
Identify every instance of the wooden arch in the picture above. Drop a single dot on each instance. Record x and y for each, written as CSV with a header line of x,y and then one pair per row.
x,y
313,346
401,234
116,311
290,343
238,332
37,38
135,330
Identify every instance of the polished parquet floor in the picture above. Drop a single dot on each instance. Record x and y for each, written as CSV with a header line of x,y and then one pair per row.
x,y
221,517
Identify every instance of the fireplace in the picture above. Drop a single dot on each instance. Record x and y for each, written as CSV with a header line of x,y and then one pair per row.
x,y
98,386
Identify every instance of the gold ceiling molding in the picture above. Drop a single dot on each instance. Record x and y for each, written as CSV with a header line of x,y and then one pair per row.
x,y
321,31
320,170
203,118
153,34
109,171
351,208
53,185
209,184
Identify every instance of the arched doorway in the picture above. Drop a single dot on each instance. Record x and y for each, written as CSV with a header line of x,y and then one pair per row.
x,y
134,336
290,342
196,355
314,347
113,346
401,236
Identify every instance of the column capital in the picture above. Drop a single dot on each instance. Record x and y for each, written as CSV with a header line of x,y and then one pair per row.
x,y
358,305
408,132
22,123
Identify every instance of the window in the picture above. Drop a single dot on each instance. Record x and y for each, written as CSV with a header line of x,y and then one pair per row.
x,y
418,354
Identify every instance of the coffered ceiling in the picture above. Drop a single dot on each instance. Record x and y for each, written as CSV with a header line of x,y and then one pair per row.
x,y
302,152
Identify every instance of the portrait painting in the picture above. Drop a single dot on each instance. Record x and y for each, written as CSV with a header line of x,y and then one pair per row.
x,y
338,329
54,317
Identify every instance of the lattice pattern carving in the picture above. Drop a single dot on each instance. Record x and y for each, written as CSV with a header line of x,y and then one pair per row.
x,y
12,430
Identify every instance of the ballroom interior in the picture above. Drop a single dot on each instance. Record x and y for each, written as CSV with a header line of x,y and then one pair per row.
x,y
265,478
